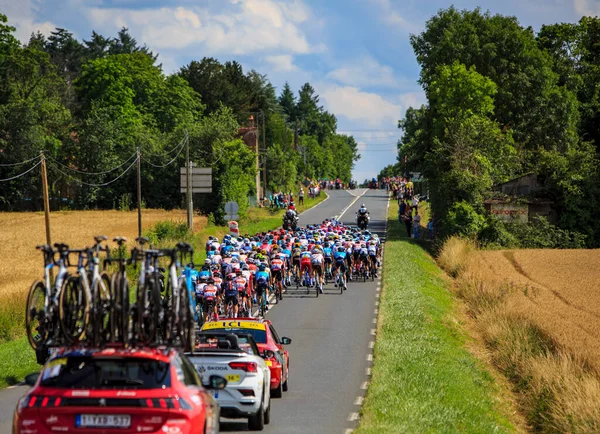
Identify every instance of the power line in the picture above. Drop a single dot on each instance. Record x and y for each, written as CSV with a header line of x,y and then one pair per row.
x,y
22,174
91,173
160,166
19,164
98,185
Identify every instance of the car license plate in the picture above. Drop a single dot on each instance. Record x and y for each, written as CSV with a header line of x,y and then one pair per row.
x,y
103,421
233,378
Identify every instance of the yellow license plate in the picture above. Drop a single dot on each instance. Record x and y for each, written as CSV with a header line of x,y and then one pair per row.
x,y
232,378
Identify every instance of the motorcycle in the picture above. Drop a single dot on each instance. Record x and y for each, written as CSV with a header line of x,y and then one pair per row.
x,y
362,221
290,222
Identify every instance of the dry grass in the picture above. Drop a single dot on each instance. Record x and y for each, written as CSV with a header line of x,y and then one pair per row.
x,y
538,312
22,263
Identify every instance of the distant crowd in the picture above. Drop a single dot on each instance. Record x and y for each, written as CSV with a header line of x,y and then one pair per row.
x,y
402,190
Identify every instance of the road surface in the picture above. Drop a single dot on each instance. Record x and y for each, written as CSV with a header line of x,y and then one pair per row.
x,y
332,338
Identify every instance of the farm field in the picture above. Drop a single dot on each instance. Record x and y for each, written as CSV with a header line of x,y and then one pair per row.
x,y
20,232
557,289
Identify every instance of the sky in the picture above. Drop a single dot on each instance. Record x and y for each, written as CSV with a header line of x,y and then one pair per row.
x,y
355,53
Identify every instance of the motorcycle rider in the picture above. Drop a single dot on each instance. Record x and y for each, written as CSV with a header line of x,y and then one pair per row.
x,y
291,215
362,212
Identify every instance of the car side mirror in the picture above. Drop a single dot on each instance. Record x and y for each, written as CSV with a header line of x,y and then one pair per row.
x,y
216,383
268,354
286,341
31,379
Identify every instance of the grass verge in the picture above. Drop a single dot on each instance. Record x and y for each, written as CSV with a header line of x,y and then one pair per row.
x,y
17,359
423,378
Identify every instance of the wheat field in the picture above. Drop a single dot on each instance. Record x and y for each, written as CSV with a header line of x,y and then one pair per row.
x,y
20,232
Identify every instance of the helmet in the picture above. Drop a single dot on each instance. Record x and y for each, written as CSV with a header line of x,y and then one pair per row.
x,y
211,280
341,249
203,278
238,271
207,261
216,273
262,267
363,205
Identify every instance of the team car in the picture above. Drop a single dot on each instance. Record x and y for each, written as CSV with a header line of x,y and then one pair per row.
x,y
118,390
267,339
236,357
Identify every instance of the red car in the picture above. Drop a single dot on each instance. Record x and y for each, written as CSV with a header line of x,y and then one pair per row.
x,y
118,390
266,338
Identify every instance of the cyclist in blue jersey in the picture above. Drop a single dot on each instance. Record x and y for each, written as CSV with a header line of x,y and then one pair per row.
x,y
340,265
262,283
328,255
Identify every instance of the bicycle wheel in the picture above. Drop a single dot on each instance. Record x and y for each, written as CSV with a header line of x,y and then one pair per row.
x,y
74,310
148,306
342,284
102,309
35,315
185,327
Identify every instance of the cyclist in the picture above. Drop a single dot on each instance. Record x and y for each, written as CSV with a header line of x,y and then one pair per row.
x,y
262,284
296,252
230,292
305,264
340,265
364,257
372,251
277,269
316,262
328,255
210,299
242,287
200,285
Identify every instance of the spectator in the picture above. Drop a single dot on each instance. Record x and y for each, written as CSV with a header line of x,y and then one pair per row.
x,y
301,196
415,203
408,222
416,225
430,229
402,209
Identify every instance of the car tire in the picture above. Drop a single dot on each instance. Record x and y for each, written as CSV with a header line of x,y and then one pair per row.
x,y
267,416
278,393
256,422
286,385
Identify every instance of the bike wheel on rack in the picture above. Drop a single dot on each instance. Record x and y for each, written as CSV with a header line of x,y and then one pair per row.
x,y
102,306
185,328
35,315
148,305
74,310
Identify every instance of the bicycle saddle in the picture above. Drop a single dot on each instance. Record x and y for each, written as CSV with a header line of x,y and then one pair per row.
x,y
120,240
142,240
44,247
100,238
61,246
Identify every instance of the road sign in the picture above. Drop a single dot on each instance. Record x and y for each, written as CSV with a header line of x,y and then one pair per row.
x,y
231,207
201,179
232,217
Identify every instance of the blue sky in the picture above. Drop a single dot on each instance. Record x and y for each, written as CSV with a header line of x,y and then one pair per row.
x,y
356,53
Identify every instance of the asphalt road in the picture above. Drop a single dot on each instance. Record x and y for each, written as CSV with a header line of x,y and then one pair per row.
x,y
331,335
330,354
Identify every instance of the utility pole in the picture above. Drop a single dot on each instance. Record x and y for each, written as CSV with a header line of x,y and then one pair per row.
x,y
46,199
188,181
264,150
139,191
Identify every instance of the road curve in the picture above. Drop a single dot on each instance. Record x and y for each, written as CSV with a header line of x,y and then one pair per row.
x,y
331,341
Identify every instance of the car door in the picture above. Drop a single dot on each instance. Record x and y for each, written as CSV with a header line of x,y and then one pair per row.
x,y
282,351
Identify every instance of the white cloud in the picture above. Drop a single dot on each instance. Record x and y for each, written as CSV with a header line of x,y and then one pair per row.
x,y
21,14
362,107
587,7
239,27
365,72
392,17
281,63
413,99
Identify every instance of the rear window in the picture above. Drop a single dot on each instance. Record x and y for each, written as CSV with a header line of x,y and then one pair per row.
x,y
105,373
260,336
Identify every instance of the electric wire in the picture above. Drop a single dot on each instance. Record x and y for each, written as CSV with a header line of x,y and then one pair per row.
x,y
92,173
94,184
181,148
19,164
22,174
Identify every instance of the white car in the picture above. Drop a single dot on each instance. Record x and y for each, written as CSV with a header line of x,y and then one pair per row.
x,y
235,356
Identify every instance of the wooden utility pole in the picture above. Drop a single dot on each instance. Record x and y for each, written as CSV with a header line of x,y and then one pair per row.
x,y
188,181
46,199
264,137
139,191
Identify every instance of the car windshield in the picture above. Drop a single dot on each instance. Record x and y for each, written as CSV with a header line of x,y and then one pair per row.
x,y
84,372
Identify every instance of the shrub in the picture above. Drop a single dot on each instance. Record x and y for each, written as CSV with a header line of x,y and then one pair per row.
x,y
463,220
168,230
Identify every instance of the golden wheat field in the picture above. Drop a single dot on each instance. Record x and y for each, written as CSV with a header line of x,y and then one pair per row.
x,y
557,289
20,232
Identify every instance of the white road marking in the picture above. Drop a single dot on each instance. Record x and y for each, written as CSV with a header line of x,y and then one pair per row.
x,y
377,295
369,357
374,320
368,372
376,302
359,400
365,385
372,344
339,217
348,431
373,331
353,417
375,311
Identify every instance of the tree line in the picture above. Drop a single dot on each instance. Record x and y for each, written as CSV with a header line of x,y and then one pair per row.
x,y
503,101
91,104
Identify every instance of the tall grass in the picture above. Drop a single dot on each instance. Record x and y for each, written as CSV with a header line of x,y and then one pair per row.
x,y
556,390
